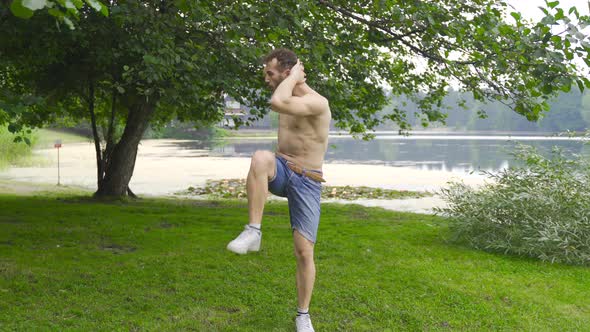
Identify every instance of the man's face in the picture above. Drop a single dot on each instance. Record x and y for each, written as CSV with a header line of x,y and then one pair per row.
x,y
272,75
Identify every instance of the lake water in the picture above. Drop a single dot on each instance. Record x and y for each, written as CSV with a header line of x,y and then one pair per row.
x,y
453,153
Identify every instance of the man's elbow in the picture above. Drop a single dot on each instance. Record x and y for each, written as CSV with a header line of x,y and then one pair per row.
x,y
276,102
279,105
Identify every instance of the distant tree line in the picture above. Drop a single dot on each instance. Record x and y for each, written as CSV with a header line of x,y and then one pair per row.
x,y
568,111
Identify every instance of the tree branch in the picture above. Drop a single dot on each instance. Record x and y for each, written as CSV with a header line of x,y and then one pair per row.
x,y
394,36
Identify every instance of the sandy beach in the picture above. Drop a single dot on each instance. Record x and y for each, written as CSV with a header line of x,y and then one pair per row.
x,y
163,168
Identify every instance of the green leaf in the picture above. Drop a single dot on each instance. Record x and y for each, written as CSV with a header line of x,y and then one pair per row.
x,y
547,37
34,4
516,16
19,10
552,4
547,89
580,85
98,6
104,10
566,88
182,5
430,19
55,12
548,20
69,23
150,59
544,10
559,14
505,29
71,7
273,36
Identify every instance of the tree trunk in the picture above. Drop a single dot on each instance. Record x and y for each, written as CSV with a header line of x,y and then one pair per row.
x,y
109,135
99,159
122,158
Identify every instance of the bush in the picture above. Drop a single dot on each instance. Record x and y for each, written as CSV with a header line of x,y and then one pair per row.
x,y
539,209
11,152
185,131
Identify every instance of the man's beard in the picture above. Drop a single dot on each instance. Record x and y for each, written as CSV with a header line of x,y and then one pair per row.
x,y
273,86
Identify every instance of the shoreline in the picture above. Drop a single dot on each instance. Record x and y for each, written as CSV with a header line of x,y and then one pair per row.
x,y
163,169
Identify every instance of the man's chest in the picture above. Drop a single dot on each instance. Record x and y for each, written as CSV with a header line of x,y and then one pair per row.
x,y
295,125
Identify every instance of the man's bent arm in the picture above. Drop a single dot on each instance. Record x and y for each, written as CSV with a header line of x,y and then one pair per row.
x,y
300,106
283,101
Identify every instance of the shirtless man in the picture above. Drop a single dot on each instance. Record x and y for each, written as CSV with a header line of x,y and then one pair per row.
x,y
295,171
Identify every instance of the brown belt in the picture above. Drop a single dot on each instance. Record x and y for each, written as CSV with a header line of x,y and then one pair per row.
x,y
310,174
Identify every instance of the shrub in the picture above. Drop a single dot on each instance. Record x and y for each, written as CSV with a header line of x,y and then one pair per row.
x,y
540,208
12,152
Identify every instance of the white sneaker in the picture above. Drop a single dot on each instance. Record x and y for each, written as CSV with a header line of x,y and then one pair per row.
x,y
248,240
303,323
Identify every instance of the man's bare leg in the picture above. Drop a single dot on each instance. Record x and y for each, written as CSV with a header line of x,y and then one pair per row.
x,y
305,269
262,169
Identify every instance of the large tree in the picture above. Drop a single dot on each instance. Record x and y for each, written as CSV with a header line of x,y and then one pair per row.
x,y
64,11
152,61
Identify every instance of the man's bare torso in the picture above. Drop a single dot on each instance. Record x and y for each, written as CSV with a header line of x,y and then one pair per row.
x,y
304,139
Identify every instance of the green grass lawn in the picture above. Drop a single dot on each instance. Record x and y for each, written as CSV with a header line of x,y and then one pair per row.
x,y
69,263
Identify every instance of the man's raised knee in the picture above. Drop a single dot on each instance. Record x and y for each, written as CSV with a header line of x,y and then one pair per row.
x,y
262,161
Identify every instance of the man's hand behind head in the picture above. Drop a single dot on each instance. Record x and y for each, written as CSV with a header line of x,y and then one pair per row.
x,y
298,72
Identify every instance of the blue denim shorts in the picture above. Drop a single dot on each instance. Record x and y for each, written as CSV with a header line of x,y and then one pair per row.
x,y
303,195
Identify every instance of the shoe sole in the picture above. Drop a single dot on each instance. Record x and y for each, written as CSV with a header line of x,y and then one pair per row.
x,y
243,252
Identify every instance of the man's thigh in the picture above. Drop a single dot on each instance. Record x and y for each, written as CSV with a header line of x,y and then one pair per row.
x,y
304,205
277,183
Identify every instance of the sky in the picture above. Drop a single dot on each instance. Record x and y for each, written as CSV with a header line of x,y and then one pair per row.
x,y
529,8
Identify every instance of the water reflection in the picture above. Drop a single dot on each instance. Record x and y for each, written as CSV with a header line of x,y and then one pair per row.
x,y
445,153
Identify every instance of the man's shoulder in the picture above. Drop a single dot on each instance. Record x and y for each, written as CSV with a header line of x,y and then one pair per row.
x,y
316,95
317,101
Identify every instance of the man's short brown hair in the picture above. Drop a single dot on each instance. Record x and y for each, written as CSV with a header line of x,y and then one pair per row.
x,y
285,57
